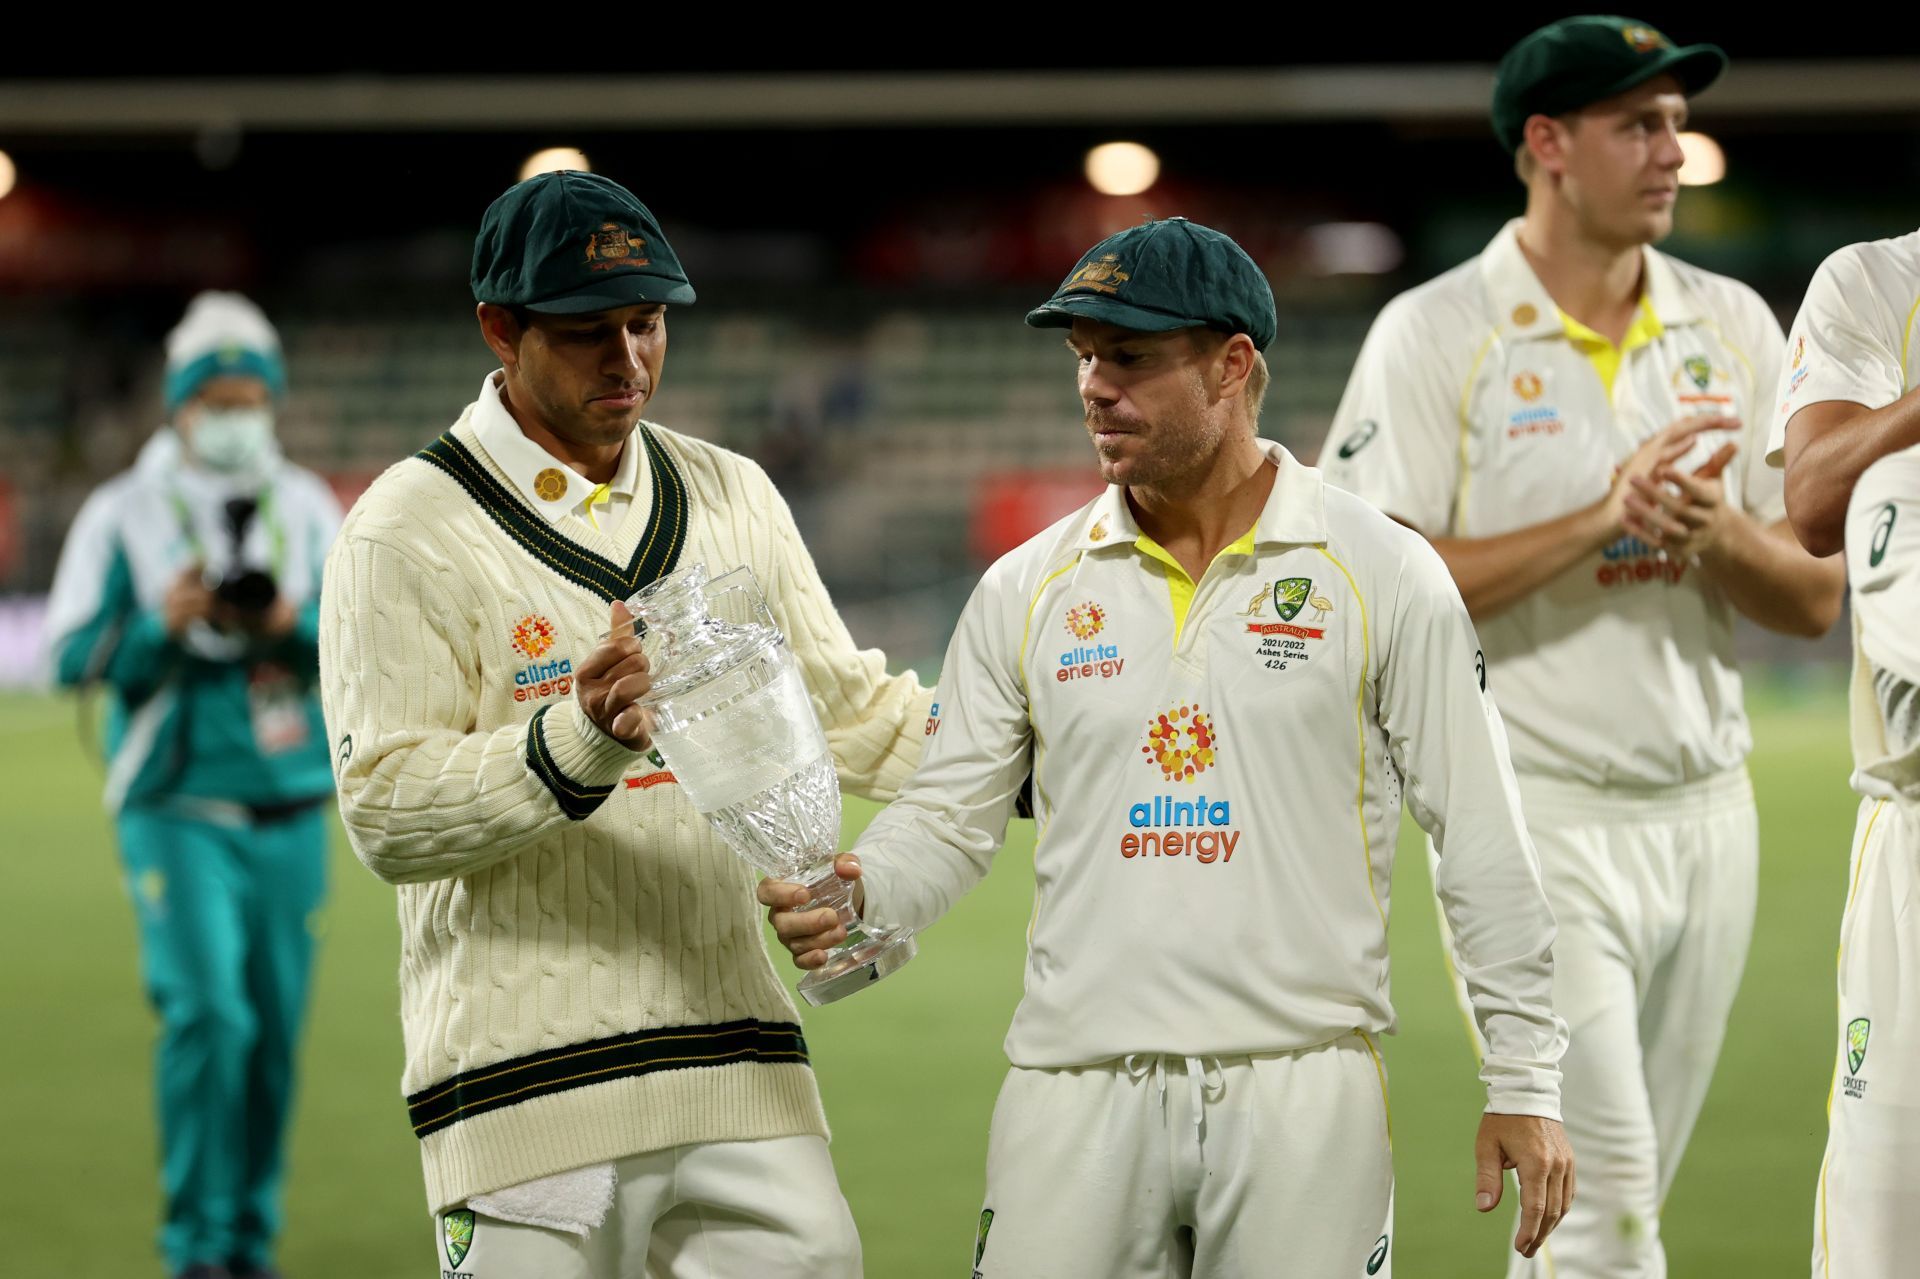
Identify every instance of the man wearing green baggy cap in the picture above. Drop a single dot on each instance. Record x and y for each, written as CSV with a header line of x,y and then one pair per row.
x,y
603,1069
1222,674
1578,423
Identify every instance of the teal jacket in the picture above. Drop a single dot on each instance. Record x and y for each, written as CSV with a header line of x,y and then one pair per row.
x,y
207,716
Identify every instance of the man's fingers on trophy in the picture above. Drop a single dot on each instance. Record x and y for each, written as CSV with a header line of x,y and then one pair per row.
x,y
778,893
847,866
628,688
608,654
620,621
817,944
782,894
804,932
631,726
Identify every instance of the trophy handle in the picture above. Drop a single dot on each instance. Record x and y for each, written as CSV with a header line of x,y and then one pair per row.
x,y
736,597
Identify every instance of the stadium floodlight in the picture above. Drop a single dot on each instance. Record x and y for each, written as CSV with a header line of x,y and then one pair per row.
x,y
7,174
1122,168
1705,163
554,159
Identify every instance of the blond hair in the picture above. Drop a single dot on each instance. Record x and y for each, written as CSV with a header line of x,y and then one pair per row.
x,y
1258,376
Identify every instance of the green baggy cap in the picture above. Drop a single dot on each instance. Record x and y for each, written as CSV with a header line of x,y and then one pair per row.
x,y
1576,62
569,243
1171,274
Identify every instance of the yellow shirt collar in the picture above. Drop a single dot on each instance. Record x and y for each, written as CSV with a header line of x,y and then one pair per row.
x,y
1602,353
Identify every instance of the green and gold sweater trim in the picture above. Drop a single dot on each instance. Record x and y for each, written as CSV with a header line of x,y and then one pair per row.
x,y
577,799
653,559
642,1052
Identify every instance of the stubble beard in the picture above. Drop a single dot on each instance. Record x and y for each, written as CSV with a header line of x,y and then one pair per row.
x,y
1175,443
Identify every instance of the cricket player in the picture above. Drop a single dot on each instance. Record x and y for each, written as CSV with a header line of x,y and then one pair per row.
x,y
1224,675
1577,423
189,586
1849,426
604,1071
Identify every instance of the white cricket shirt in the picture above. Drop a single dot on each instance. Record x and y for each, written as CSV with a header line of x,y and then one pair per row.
x,y
1476,408
1218,795
1855,340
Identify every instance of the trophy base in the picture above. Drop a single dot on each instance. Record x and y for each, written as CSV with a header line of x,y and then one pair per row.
x,y
857,970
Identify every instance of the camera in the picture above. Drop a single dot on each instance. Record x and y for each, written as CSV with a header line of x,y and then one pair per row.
x,y
246,588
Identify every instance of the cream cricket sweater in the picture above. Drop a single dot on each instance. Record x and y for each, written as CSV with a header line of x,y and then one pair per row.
x,y
582,972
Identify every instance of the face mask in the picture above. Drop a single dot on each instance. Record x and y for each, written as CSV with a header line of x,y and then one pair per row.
x,y
232,440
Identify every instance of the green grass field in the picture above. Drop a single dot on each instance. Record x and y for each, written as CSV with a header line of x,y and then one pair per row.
x,y
909,1069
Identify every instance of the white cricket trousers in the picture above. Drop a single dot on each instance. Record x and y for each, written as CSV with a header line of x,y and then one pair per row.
x,y
1211,1168
1653,891
1867,1205
720,1210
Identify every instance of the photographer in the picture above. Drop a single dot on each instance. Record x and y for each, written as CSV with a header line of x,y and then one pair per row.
x,y
189,587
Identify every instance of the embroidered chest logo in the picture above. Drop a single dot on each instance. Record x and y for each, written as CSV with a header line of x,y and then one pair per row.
x,y
1284,644
1528,418
534,637
1086,620
1181,743
1086,661
1700,387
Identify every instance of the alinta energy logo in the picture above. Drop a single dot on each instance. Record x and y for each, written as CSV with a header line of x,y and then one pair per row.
x,y
1628,561
1532,418
1086,620
533,636
1085,661
1182,744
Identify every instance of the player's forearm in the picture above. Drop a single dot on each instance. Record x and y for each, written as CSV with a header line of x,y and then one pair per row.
x,y
920,856
1495,573
1768,577
1828,446
427,805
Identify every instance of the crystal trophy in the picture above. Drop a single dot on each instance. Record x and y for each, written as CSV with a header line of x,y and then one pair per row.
x,y
732,720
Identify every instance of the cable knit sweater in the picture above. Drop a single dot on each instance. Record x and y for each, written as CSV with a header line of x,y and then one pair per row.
x,y
582,972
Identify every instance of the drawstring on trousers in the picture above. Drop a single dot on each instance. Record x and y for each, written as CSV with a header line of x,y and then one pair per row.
x,y
1206,1081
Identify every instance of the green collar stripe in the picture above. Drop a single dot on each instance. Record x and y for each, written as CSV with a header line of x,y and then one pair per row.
x,y
641,1052
652,560
577,800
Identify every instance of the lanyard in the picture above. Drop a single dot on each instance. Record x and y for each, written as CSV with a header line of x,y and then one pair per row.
x,y
264,512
